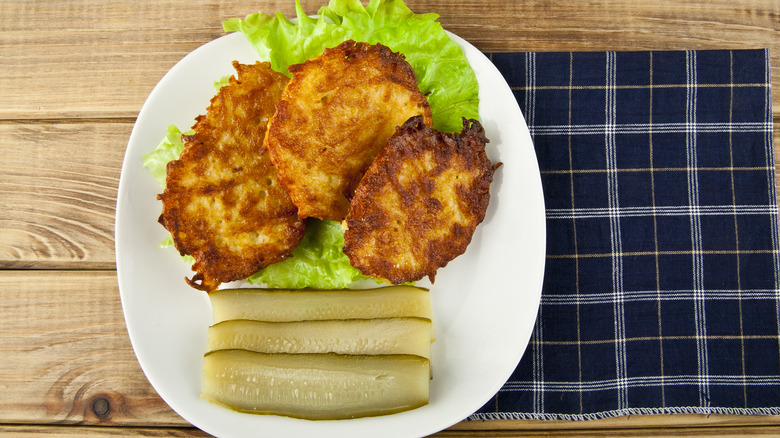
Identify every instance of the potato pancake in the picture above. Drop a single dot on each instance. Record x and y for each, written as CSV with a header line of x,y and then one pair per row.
x,y
419,203
335,115
223,203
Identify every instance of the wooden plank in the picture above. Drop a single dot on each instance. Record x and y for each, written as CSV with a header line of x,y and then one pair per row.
x,y
67,360
58,186
96,59
81,59
641,422
627,433
93,432
66,356
35,430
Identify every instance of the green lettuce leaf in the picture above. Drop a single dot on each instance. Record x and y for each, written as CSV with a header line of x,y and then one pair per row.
x,y
171,146
168,242
169,149
224,80
443,73
317,262
157,160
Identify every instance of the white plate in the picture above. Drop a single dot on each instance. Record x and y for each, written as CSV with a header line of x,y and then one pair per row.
x,y
485,301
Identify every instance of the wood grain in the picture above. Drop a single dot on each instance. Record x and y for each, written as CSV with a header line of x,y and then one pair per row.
x,y
97,431
67,61
58,186
92,432
76,59
625,423
67,360
66,356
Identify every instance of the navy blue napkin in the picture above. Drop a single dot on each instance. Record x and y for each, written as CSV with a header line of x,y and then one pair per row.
x,y
661,287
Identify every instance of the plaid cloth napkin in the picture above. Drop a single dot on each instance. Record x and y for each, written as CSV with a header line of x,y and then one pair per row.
x,y
661,287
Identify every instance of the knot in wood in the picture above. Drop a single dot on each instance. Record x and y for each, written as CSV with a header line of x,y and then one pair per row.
x,y
101,407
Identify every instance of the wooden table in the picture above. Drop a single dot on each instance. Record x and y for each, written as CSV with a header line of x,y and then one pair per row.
x,y
73,76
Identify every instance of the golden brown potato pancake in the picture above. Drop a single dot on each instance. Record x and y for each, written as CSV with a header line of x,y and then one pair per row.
x,y
419,203
223,203
334,116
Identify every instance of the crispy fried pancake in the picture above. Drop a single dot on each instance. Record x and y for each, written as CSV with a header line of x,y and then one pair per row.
x,y
419,203
223,203
334,116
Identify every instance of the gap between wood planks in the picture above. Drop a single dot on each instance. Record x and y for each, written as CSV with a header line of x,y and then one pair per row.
x,y
68,120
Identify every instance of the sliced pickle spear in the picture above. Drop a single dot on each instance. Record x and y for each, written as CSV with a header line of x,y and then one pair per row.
x,y
308,304
348,336
315,386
